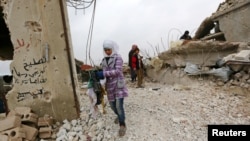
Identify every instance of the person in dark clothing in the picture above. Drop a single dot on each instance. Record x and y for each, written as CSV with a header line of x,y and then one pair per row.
x,y
186,36
134,64
130,55
137,66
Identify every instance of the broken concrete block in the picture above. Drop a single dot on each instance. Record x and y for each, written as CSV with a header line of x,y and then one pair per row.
x,y
45,121
243,55
13,113
67,126
10,122
4,138
45,132
26,114
229,57
61,132
30,118
15,133
30,132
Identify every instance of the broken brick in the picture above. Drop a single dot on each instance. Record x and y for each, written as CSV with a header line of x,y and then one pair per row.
x,y
45,121
29,117
30,132
4,138
13,113
15,133
45,132
10,122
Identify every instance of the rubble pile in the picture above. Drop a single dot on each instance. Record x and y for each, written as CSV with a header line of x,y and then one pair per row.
x,y
21,124
82,130
225,63
239,63
176,112
234,70
87,127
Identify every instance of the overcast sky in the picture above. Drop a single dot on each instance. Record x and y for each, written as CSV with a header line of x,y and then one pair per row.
x,y
147,23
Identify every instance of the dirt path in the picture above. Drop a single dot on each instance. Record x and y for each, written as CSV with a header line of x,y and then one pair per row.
x,y
170,113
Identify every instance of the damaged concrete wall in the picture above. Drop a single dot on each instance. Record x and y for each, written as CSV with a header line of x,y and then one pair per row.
x,y
234,20
43,67
204,53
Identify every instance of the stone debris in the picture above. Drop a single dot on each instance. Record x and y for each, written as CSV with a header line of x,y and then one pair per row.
x,y
21,124
175,112
11,122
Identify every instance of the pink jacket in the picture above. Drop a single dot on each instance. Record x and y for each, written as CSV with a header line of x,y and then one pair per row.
x,y
112,71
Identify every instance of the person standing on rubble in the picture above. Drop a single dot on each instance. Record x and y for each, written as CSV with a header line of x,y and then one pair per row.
x,y
186,36
140,72
137,66
112,65
130,55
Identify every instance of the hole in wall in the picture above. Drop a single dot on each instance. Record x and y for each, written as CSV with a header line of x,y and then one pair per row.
x,y
27,116
13,133
47,96
6,56
6,47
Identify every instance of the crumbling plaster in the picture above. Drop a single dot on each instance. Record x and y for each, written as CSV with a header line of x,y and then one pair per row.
x,y
43,76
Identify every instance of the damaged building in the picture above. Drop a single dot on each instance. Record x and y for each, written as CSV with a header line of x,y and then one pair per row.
x,y
220,48
43,66
43,69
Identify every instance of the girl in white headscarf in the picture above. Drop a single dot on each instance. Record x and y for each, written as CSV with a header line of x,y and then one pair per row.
x,y
112,66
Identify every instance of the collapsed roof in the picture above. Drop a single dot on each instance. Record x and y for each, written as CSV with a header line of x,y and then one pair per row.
x,y
230,23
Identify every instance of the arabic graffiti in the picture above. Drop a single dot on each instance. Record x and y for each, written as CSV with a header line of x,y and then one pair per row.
x,y
40,61
21,44
22,95
30,75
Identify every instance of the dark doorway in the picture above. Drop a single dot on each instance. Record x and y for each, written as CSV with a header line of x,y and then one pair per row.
x,y
6,47
6,55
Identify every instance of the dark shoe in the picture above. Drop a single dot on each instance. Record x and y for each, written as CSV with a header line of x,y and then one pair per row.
x,y
122,130
139,87
116,120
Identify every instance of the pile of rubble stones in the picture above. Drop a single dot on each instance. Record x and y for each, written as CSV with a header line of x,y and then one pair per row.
x,y
21,124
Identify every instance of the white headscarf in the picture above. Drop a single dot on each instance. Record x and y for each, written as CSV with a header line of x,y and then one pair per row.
x,y
108,44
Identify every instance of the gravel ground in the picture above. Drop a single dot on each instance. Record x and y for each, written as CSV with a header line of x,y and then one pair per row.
x,y
167,113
